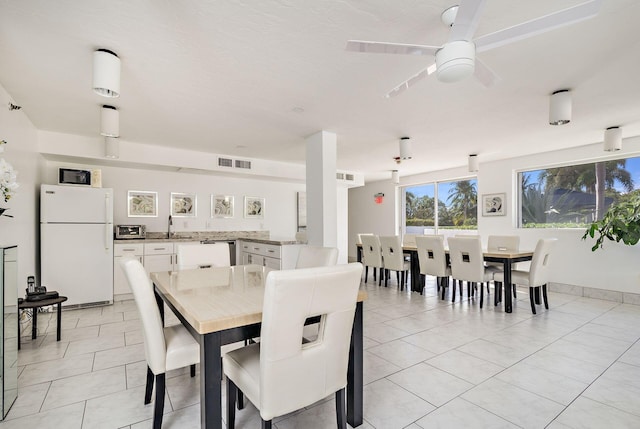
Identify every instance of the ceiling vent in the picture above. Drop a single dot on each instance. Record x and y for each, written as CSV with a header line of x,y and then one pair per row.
x,y
225,162
243,164
340,176
349,177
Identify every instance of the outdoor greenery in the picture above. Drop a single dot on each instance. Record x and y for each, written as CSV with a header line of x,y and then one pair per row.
x,y
620,223
573,196
458,210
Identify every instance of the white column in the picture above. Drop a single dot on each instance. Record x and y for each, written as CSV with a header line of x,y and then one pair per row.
x,y
322,225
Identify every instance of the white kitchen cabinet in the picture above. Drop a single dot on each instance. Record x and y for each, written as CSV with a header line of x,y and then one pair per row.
x,y
277,256
121,250
159,257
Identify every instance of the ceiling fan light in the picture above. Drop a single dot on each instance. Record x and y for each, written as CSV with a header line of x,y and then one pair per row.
x,y
560,107
110,125
474,165
112,147
613,139
455,61
405,148
106,73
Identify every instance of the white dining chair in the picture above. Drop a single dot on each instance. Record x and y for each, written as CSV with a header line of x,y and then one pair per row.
x,y
433,260
165,348
502,243
372,257
538,275
467,264
394,260
281,374
192,256
316,256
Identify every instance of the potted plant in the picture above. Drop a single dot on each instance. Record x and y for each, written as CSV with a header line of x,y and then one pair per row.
x,y
620,223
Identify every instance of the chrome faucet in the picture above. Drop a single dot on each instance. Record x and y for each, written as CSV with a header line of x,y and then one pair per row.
x,y
169,227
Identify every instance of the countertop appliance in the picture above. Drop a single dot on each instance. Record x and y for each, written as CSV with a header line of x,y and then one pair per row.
x,y
76,243
72,176
128,232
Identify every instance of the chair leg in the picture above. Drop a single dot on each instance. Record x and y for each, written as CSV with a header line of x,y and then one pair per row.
x,y
158,406
341,411
240,399
374,274
381,272
482,293
366,273
531,298
515,295
232,392
453,291
193,370
544,296
149,390
266,424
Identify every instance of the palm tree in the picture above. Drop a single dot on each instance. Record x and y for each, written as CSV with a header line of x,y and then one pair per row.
x,y
463,197
410,199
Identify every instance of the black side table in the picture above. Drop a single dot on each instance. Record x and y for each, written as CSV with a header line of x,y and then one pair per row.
x,y
34,306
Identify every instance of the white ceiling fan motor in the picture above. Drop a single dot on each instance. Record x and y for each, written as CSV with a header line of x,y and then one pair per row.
x,y
455,61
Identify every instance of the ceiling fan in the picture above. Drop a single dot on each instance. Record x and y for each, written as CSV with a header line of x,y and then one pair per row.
x,y
456,59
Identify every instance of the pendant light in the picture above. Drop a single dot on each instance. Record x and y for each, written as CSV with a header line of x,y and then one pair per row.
x,y
405,148
112,147
395,176
110,126
560,107
612,139
106,73
473,163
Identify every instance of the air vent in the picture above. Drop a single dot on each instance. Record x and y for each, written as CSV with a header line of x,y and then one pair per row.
x,y
225,162
340,176
348,177
243,164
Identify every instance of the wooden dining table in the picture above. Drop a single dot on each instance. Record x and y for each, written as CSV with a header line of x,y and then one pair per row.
x,y
223,305
504,257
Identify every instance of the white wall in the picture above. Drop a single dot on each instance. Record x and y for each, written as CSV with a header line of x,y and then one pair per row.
x,y
616,267
280,198
20,152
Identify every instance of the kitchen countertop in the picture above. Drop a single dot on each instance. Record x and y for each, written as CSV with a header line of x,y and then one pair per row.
x,y
275,241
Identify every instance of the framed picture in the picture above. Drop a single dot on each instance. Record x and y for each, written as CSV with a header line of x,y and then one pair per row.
x,y
494,204
221,205
183,205
254,207
142,204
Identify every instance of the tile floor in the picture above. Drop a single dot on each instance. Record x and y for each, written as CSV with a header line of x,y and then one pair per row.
x,y
428,363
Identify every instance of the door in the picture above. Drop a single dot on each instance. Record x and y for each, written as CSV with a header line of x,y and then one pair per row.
x,y
77,261
69,204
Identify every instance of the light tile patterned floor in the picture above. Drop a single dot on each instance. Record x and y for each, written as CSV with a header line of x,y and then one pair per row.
x,y
428,363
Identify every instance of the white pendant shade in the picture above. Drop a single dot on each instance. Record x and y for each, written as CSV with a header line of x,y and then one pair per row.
x,y
395,176
110,126
612,139
111,147
560,107
106,73
474,166
405,148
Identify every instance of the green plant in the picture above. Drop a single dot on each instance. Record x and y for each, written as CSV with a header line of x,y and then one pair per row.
x,y
620,223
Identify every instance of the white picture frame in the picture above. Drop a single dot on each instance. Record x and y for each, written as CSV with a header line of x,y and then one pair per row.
x,y
494,204
183,204
222,206
142,204
254,207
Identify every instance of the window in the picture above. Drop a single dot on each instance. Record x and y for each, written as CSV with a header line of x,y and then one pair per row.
x,y
575,195
456,209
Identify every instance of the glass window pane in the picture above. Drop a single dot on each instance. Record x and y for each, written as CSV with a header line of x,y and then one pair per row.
x,y
458,206
419,209
575,195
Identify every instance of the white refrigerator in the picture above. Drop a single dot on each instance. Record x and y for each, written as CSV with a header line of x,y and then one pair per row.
x,y
76,243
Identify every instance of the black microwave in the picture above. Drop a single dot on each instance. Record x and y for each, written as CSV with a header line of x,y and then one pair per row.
x,y
71,176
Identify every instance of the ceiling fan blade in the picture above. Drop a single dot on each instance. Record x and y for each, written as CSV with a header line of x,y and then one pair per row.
x,y
390,48
467,19
411,81
485,75
539,25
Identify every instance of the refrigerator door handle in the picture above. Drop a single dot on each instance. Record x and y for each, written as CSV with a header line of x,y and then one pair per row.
x,y
106,236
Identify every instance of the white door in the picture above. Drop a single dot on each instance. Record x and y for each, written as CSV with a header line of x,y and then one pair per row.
x,y
77,261
73,204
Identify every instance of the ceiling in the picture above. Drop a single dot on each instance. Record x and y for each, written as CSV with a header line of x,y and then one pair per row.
x,y
253,78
